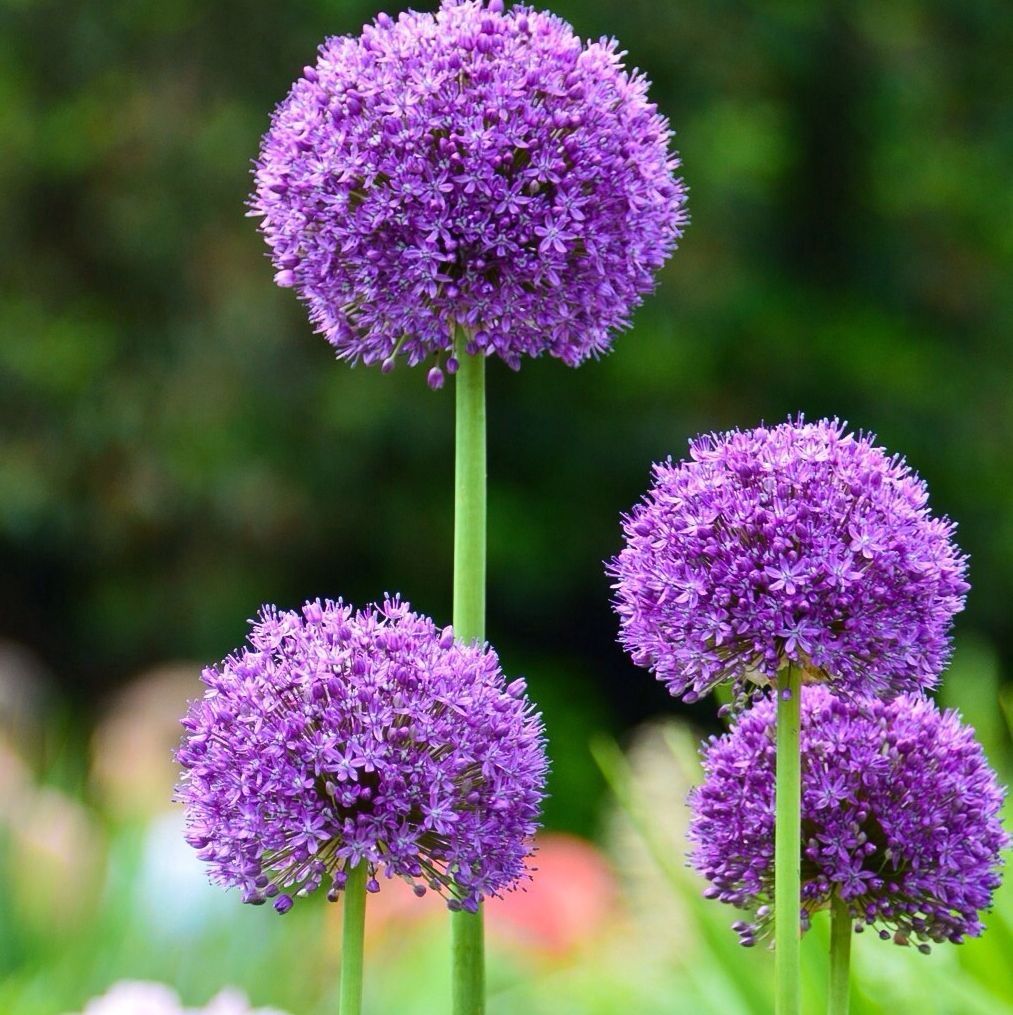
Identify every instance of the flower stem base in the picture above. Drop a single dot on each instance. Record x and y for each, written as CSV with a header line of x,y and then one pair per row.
x,y
354,922
840,956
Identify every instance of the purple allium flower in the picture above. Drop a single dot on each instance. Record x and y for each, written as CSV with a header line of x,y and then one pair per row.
x,y
340,736
900,817
799,543
472,166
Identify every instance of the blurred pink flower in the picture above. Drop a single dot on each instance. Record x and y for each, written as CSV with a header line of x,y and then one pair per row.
x,y
569,902
54,861
132,768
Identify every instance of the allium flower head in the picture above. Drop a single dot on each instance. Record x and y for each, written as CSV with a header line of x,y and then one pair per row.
x,y
900,817
472,166
339,737
796,543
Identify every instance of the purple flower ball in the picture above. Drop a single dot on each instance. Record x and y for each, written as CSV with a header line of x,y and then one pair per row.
x,y
342,736
471,167
798,543
900,817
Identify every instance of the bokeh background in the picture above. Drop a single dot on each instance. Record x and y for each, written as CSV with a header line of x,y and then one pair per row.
x,y
178,448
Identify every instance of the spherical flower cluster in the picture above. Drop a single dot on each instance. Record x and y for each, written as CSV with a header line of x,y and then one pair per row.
x,y
900,817
472,167
797,543
339,737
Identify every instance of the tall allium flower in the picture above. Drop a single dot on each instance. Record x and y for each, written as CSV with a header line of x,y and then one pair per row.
x,y
340,736
900,817
472,166
796,543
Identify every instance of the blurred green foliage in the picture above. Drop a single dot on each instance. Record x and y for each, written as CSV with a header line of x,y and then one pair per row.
x,y
178,447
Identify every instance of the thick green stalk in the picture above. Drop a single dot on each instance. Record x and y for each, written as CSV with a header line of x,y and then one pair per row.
x,y
467,942
469,496
354,922
840,956
787,842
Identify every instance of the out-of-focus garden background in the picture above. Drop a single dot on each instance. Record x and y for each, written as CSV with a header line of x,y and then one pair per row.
x,y
177,448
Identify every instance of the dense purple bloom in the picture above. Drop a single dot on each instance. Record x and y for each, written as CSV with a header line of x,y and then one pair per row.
x,y
472,166
796,543
900,817
340,736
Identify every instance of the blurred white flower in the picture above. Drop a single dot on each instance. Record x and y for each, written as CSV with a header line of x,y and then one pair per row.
x,y
232,1002
134,997
137,997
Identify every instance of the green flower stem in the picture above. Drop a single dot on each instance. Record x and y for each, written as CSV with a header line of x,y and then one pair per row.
x,y
354,921
467,943
787,842
840,956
